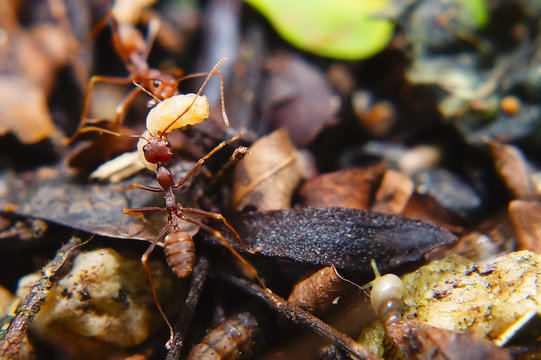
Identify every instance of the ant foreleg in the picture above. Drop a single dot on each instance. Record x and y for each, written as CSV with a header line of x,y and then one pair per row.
x,y
226,243
204,158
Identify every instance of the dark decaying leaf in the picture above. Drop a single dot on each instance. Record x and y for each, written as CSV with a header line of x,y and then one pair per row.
x,y
421,341
53,195
346,238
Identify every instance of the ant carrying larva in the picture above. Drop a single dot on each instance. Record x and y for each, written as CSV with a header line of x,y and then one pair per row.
x,y
155,150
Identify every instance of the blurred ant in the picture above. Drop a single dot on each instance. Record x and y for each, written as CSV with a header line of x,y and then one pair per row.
x,y
232,339
133,49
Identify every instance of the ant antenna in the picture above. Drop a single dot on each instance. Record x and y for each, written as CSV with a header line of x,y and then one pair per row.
x,y
146,91
198,94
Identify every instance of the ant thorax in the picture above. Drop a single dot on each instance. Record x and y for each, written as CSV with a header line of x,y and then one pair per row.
x,y
173,113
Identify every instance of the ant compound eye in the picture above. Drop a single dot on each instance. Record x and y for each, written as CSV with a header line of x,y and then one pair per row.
x,y
145,148
156,83
167,143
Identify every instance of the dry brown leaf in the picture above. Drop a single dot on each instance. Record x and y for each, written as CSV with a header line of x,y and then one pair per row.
x,y
266,178
526,218
24,110
425,208
318,292
393,194
513,168
352,188
30,60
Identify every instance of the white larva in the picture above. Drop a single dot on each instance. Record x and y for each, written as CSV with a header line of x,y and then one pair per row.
x,y
169,110
385,287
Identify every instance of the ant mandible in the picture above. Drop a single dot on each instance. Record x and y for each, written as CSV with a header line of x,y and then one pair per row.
x,y
133,49
155,150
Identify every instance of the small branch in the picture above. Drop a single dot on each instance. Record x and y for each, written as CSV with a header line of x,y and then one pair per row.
x,y
12,344
301,317
199,276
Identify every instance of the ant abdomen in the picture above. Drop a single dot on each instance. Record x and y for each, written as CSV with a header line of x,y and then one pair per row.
x,y
179,251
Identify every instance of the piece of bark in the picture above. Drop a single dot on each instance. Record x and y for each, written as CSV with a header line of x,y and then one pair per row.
x,y
13,342
351,188
393,193
266,178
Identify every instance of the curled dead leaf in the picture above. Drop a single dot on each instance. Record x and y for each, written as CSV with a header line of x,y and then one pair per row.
x,y
317,292
266,178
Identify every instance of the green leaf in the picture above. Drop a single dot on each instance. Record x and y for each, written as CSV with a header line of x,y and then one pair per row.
x,y
344,29
477,11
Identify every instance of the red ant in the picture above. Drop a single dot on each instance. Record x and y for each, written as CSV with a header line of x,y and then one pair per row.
x,y
156,150
134,50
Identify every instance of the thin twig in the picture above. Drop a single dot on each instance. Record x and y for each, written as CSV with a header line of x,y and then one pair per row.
x,y
12,344
301,317
199,276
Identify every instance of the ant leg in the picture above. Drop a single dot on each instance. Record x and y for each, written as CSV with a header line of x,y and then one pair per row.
x,y
204,158
100,25
209,74
95,79
145,187
152,32
120,108
140,211
220,217
219,235
144,260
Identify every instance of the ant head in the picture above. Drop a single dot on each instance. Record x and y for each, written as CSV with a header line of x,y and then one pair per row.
x,y
157,149
162,86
